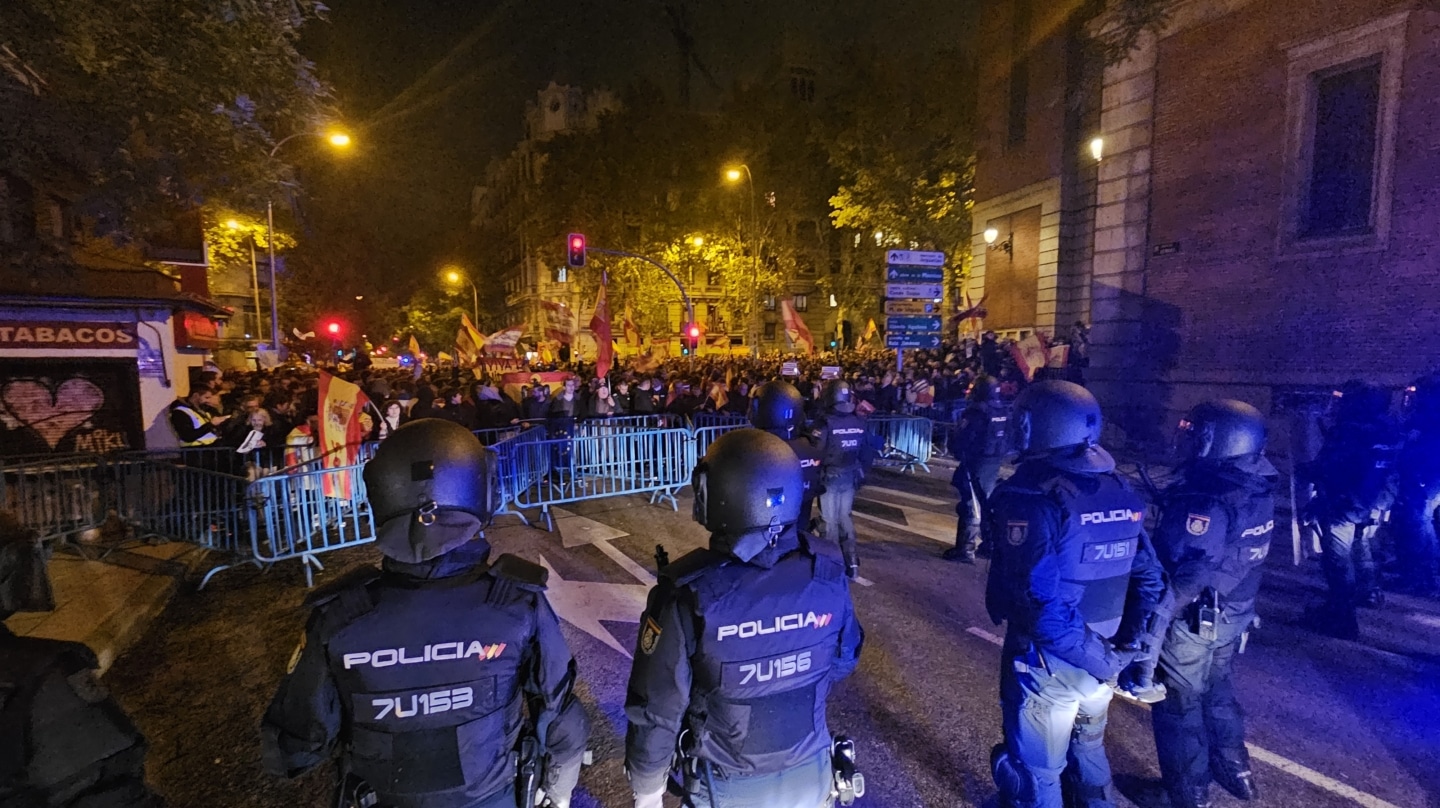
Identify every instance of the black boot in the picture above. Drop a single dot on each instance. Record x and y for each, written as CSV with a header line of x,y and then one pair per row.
x,y
960,554
1191,797
1240,784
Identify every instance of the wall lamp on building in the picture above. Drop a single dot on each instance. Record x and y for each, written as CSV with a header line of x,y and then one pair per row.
x,y
1097,148
991,234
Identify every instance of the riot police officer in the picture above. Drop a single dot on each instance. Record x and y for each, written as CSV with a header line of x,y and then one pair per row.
x,y
740,644
1073,575
1418,492
1215,529
64,742
1354,480
777,408
420,668
979,446
845,458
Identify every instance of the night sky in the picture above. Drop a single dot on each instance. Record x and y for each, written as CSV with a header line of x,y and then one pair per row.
x,y
434,89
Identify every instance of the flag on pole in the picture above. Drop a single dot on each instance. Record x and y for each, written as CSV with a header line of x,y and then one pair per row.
x,y
414,346
444,357
1030,354
465,346
476,338
604,342
342,407
795,329
870,332
505,340
632,334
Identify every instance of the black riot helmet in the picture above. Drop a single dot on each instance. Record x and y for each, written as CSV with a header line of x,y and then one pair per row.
x,y
24,580
839,397
431,486
985,388
747,491
778,409
1222,430
1359,402
1060,421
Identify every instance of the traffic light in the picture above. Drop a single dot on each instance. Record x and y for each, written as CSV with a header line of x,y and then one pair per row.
x,y
333,328
575,256
692,335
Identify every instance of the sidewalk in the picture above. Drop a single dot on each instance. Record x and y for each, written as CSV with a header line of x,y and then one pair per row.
x,y
108,604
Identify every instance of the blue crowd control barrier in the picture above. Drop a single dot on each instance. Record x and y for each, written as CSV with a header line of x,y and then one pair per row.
x,y
185,503
704,420
596,463
706,435
56,495
304,514
907,440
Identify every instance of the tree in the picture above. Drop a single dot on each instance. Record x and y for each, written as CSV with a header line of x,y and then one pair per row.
x,y
155,104
900,137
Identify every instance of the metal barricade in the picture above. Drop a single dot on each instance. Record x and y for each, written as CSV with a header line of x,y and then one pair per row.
x,y
595,465
704,420
57,495
303,514
706,435
185,503
517,469
907,441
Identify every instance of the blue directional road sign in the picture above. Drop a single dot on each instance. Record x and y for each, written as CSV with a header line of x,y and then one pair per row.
x,y
912,340
920,324
909,274
915,258
915,291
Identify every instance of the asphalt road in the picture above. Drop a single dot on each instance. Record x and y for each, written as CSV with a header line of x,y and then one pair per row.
x,y
1333,723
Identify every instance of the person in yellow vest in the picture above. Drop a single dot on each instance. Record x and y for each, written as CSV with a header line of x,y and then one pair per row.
x,y
191,419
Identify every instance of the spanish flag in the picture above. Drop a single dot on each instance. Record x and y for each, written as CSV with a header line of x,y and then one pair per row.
x,y
870,332
341,431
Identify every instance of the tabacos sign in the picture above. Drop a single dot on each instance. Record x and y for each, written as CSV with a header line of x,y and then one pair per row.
x,y
65,335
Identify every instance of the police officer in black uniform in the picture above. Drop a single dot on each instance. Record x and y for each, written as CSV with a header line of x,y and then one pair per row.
x,y
740,644
1074,576
979,446
420,668
846,456
777,408
64,743
1355,484
1214,534
1418,496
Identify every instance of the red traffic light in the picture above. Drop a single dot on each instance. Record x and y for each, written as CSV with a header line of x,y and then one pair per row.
x,y
333,328
694,331
575,250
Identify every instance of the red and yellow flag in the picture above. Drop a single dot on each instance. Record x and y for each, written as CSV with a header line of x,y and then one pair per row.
x,y
604,342
795,329
342,430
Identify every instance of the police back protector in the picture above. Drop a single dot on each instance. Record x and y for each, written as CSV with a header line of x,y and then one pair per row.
x,y
1100,526
766,642
431,674
844,440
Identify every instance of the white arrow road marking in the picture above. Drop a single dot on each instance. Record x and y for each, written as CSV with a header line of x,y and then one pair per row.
x,y
936,526
576,530
583,604
1265,756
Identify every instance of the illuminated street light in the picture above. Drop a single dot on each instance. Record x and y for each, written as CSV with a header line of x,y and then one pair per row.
x,y
698,241
991,234
733,174
1097,148
233,224
339,140
455,276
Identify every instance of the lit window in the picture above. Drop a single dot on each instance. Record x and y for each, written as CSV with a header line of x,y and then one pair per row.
x,y
802,302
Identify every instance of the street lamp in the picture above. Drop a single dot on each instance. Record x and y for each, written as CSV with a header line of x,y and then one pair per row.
x,y
234,224
338,140
455,276
733,175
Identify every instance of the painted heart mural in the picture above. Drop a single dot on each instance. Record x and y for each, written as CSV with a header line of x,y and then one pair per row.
x,y
68,407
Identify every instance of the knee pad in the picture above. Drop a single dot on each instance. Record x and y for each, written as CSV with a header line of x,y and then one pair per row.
x,y
1017,785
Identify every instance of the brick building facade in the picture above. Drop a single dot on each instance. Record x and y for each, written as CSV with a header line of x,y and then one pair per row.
x,y
1261,221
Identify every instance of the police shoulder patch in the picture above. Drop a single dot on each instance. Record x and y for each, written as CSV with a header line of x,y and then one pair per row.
x,y
1197,525
1017,532
649,636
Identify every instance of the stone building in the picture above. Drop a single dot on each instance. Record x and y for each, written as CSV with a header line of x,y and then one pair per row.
x,y
1245,206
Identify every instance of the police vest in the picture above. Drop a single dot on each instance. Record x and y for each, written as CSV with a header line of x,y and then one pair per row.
x,y
198,421
810,463
766,640
430,675
1251,528
1097,549
844,441
990,437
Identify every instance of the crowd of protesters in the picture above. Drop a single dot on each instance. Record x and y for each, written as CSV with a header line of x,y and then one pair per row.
x,y
268,417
